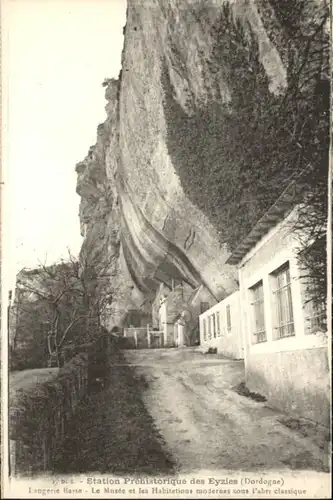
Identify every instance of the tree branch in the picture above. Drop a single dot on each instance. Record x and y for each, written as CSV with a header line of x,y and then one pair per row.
x,y
68,329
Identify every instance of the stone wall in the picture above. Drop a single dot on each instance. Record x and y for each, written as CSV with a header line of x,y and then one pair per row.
x,y
295,381
39,417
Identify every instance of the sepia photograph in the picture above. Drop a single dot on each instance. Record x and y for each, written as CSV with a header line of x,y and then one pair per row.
x,y
166,249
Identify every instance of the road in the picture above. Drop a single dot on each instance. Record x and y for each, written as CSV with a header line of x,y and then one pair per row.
x,y
208,426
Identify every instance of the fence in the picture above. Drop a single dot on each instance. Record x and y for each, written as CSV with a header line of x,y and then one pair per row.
x,y
143,338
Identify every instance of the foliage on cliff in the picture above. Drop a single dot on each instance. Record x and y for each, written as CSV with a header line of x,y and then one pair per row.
x,y
234,157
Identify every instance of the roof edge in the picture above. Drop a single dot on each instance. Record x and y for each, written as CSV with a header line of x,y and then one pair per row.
x,y
285,202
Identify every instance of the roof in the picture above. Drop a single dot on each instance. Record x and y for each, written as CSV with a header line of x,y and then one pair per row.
x,y
277,212
194,294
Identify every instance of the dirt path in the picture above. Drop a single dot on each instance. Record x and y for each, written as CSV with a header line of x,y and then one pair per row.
x,y
112,432
206,425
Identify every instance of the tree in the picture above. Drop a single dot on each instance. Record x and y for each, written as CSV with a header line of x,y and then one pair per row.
x,y
308,103
27,329
55,300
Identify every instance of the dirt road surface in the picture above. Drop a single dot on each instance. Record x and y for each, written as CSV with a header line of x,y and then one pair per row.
x,y
208,426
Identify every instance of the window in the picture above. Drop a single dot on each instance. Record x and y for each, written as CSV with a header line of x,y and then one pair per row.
x,y
209,328
283,307
214,325
204,329
258,313
218,326
228,318
203,307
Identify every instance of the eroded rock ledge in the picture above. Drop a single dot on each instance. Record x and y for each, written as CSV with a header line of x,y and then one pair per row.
x,y
139,227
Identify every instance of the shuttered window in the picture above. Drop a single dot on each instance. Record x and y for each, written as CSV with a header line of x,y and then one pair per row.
x,y
283,305
258,313
218,324
204,329
228,314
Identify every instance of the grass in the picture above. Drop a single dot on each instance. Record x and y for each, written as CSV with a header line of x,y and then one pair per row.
x,y
112,431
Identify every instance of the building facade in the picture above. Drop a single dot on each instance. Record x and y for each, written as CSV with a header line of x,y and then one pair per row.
x,y
171,307
187,326
176,310
220,327
285,335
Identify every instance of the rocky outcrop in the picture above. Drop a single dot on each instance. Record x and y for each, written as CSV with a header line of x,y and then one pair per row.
x,y
139,227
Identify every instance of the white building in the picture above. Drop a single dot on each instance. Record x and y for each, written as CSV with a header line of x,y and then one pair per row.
x,y
176,312
285,344
220,327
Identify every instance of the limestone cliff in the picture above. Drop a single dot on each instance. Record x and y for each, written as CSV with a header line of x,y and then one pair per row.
x,y
140,228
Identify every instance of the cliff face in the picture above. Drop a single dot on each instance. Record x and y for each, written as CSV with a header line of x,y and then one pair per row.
x,y
140,228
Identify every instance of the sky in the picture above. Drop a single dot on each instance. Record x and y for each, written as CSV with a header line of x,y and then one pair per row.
x,y
57,54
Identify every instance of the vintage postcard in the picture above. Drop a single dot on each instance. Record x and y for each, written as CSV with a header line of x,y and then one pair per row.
x,y
165,249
